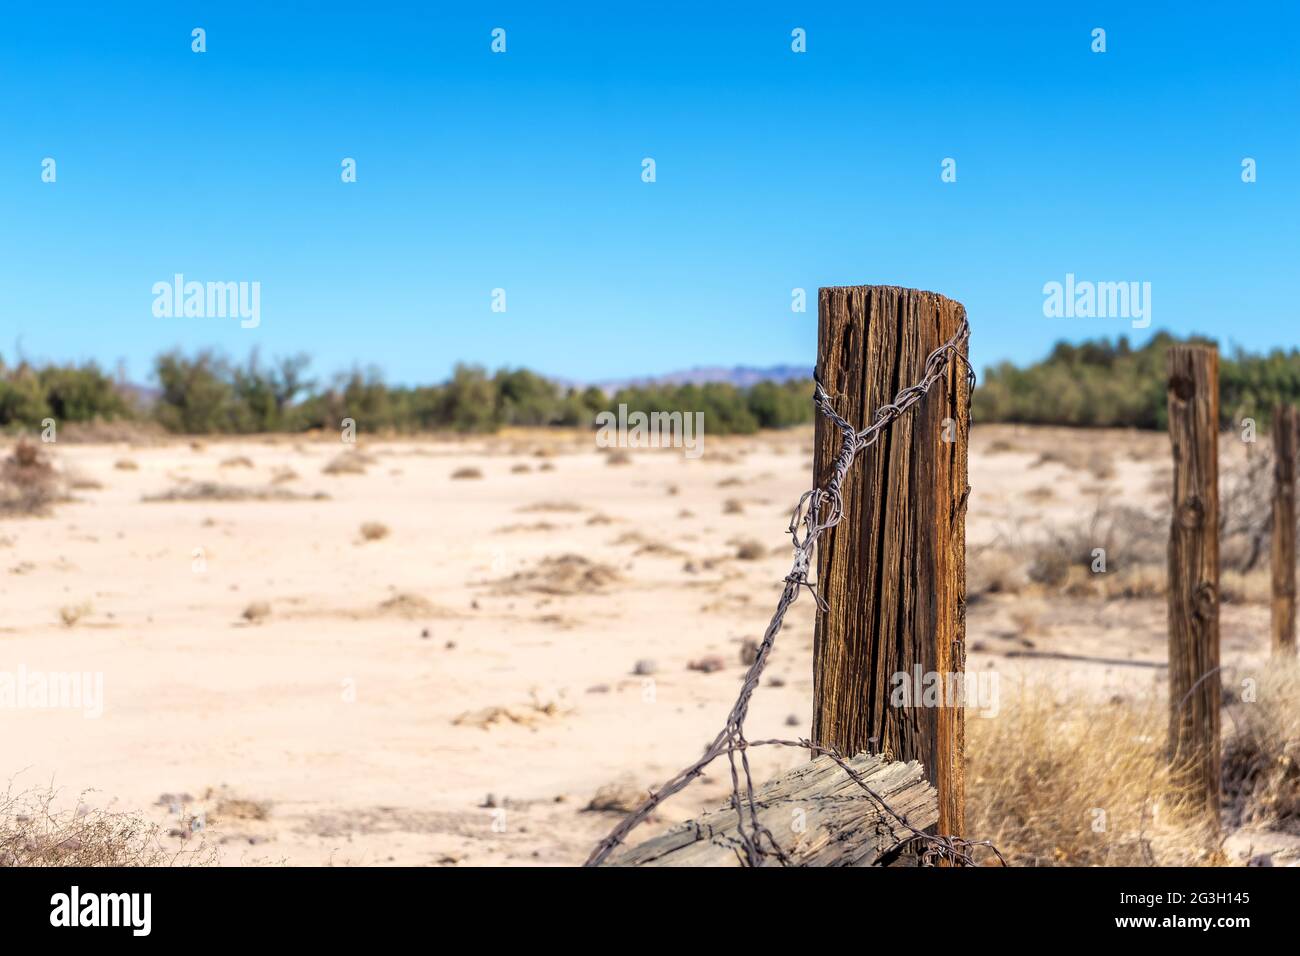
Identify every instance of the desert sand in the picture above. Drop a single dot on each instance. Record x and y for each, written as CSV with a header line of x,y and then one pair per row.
x,y
455,684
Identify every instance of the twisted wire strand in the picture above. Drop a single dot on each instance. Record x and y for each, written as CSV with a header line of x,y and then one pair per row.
x,y
817,511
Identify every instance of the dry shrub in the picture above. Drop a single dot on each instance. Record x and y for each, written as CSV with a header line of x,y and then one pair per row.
x,y
621,796
1245,516
462,474
216,491
237,461
282,475
732,507
1042,773
373,531
257,612
993,572
520,469
1240,587
346,463
70,614
408,605
1130,537
236,808
28,482
566,574
34,833
750,550
1261,754
1136,581
553,506
618,457
126,464
78,480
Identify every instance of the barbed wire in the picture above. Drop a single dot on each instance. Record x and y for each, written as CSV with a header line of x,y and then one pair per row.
x,y
817,511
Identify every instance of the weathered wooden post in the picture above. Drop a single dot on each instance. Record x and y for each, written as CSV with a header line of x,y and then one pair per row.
x,y
1194,682
1286,423
893,571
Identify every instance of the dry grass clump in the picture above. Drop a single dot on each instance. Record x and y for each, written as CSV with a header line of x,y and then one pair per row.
x,y
33,833
282,475
732,507
407,604
70,614
346,463
1079,458
28,482
374,531
237,461
520,469
993,571
126,464
1079,784
1261,755
618,457
257,612
750,550
238,808
565,574
77,480
1239,587
554,506
467,473
217,491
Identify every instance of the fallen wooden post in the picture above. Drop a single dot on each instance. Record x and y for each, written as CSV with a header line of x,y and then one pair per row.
x,y
1194,681
817,813
1285,429
893,571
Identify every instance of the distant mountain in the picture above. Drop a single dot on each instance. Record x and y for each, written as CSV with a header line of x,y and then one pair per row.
x,y
742,376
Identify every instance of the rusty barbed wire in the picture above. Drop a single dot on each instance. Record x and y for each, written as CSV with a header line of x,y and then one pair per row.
x,y
817,511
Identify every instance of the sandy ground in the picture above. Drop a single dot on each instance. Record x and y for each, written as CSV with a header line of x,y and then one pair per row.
x,y
410,700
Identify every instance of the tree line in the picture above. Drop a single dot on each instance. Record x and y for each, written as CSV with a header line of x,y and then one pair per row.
x,y
207,393
1104,383
1098,383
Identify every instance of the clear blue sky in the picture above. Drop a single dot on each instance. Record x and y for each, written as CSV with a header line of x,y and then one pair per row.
x,y
523,171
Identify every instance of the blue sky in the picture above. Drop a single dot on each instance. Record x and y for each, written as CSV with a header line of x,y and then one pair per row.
x,y
522,171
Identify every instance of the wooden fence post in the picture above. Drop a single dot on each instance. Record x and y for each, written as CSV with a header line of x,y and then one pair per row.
x,y
1286,423
893,571
1194,682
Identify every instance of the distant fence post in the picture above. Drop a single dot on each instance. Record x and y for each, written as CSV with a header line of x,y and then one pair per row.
x,y
1194,682
1284,461
893,571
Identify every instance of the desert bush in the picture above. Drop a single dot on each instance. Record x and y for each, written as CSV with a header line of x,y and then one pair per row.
x,y
374,531
1129,536
28,482
33,832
